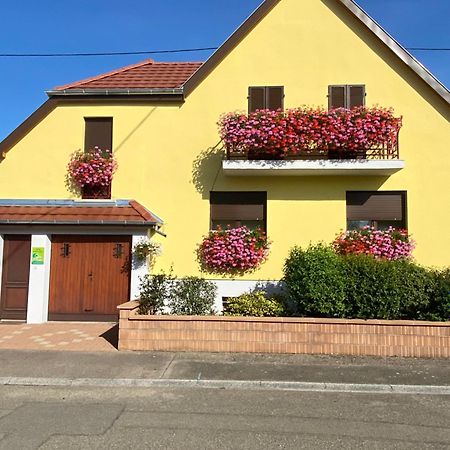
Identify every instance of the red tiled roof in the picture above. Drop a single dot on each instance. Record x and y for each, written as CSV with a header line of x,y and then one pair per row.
x,y
144,75
77,213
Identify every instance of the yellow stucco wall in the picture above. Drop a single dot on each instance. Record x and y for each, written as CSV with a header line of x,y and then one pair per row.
x,y
164,155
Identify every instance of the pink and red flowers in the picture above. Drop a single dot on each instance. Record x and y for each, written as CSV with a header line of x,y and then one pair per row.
x,y
92,168
234,250
387,244
302,130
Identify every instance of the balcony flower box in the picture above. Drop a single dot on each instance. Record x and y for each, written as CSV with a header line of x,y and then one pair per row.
x,y
311,133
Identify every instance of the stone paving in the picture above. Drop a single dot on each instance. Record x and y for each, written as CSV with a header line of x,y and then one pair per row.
x,y
67,336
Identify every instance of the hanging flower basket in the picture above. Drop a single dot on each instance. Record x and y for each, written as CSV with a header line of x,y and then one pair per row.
x,y
233,251
91,172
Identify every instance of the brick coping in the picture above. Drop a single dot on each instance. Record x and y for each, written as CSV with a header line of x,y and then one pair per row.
x,y
133,305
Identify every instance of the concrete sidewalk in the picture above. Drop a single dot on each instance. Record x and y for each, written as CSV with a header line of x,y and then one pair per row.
x,y
214,366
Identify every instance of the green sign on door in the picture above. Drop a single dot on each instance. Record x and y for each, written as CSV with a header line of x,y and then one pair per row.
x,y
37,257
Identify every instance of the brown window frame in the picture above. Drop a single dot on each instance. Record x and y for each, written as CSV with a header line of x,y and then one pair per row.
x,y
347,94
240,199
266,101
374,221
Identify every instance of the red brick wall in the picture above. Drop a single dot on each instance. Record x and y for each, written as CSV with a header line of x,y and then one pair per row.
x,y
282,335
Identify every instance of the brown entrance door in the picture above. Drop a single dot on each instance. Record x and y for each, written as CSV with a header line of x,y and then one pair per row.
x,y
89,277
15,276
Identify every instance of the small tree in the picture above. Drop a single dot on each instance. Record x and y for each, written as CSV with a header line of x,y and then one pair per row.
x,y
154,292
193,296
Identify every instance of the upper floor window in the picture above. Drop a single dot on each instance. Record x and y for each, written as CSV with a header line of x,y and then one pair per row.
x,y
377,209
236,209
98,133
265,97
346,96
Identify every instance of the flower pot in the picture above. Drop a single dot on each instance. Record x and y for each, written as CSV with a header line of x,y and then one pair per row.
x,y
96,192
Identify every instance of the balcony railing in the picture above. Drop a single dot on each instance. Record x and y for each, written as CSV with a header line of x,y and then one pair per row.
x,y
382,152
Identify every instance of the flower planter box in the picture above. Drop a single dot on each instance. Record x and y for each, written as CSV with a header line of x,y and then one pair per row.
x,y
282,335
96,192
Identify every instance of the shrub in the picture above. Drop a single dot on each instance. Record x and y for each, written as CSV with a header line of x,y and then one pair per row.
x,y
382,289
154,292
388,244
255,304
234,250
315,281
439,305
192,296
323,284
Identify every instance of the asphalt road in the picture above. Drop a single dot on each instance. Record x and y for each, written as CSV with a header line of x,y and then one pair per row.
x,y
196,418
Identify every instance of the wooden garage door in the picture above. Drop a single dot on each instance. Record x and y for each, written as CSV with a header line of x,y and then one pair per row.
x,y
90,276
15,276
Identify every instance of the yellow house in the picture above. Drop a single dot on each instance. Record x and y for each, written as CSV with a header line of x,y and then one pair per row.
x,y
63,257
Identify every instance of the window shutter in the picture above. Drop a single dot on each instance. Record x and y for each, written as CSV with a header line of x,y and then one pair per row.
x,y
336,97
256,98
238,206
375,205
98,133
356,96
275,97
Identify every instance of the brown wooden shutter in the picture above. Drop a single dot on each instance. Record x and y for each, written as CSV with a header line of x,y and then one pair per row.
x,y
98,133
274,97
356,96
375,205
256,98
238,206
336,97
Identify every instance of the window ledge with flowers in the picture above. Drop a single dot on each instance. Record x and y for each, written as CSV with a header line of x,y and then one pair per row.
x,y
312,141
90,173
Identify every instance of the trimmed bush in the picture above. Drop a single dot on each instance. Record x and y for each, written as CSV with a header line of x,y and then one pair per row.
x,y
316,282
192,296
255,304
321,283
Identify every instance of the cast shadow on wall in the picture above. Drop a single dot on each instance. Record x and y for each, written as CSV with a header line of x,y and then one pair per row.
x,y
206,169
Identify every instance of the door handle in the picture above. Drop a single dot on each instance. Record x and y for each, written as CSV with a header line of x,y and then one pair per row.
x,y
90,275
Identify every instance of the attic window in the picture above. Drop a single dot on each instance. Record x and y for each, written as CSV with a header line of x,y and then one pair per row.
x,y
346,96
265,97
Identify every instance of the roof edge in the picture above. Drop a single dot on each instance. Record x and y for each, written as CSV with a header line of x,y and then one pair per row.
x,y
114,91
397,48
240,33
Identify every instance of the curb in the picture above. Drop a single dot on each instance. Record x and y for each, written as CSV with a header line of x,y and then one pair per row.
x,y
230,384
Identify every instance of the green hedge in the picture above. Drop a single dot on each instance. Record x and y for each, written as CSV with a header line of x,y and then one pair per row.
x,y
323,284
255,304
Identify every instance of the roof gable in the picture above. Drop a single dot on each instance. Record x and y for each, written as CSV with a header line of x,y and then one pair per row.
x,y
369,24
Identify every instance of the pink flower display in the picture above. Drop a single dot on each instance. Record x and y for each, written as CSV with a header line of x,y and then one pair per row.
x,y
234,250
302,130
386,244
92,168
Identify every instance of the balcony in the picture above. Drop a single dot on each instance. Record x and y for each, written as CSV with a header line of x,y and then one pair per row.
x,y
312,142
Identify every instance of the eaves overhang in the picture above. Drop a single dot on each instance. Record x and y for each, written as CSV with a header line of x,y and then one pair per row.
x,y
122,92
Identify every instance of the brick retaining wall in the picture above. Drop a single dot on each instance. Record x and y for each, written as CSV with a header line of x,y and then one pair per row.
x,y
282,335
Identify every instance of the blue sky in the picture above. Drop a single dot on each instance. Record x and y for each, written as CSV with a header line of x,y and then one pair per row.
x,y
47,26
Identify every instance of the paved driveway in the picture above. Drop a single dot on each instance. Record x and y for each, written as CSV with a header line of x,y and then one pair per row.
x,y
72,336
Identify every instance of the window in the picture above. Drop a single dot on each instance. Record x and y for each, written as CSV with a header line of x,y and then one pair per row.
x,y
238,209
98,133
265,97
346,96
378,209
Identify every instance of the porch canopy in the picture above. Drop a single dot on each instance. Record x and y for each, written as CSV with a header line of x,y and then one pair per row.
x,y
77,212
